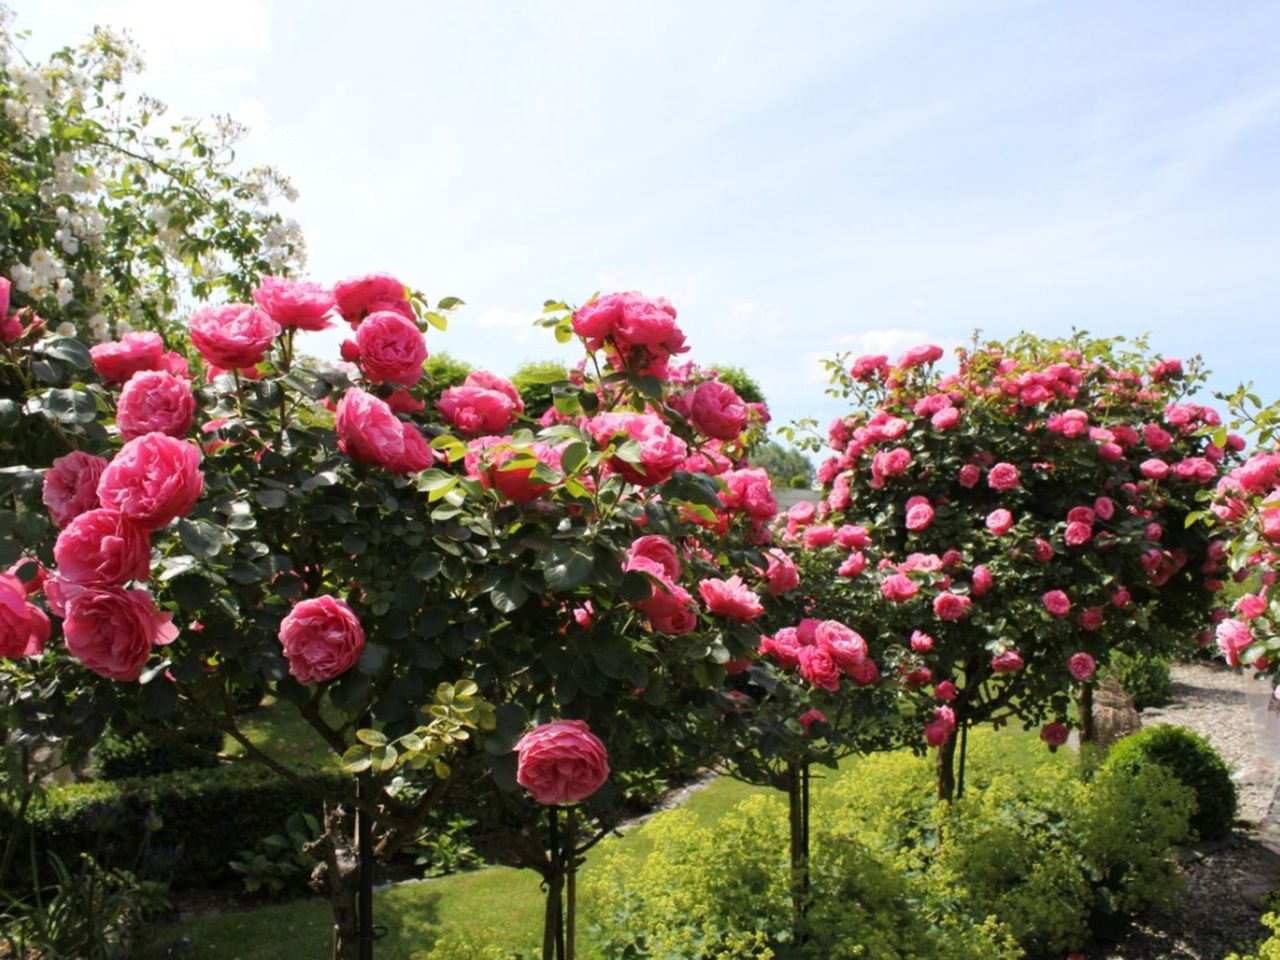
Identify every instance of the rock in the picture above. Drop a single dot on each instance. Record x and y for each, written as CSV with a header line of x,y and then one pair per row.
x,y
1114,713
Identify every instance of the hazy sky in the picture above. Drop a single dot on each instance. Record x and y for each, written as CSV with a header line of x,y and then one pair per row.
x,y
798,178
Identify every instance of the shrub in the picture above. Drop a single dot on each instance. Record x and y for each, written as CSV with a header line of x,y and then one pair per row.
x,y
1194,762
535,380
193,813
1145,678
1269,949
121,754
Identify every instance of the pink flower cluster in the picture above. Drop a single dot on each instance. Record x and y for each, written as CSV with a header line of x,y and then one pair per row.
x,y
822,651
639,334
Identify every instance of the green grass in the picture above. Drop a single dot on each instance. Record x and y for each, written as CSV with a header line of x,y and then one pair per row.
x,y
280,731
496,906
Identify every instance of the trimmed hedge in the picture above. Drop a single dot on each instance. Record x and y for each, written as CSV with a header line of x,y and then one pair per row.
x,y
121,754
204,817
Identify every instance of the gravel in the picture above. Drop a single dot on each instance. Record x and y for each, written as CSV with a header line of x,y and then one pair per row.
x,y
1227,881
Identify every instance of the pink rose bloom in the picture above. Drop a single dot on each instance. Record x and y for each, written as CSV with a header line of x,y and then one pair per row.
x,y
1111,452
155,402
416,454
233,335
491,381
819,667
919,516
890,463
853,564
1042,550
807,631
1078,534
1057,603
718,411
1090,619
782,575
111,631
802,513
1233,639
1003,476
1269,520
852,537
119,360
868,366
368,432
845,645
71,486
921,642
731,598
561,763
751,491
671,609
657,549
1083,515
945,691
301,305
321,638
476,410
1010,661
1154,469
1104,507
1082,666
970,474
937,733
865,673
810,717
5,286
392,349
1120,599
357,297
951,606
946,418
898,588
1251,606
153,479
982,581
818,536
24,628
917,356
402,401
661,451
501,469
1000,522
1054,734
783,648
100,548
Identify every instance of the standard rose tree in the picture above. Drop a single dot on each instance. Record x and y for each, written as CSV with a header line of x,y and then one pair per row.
x,y
996,528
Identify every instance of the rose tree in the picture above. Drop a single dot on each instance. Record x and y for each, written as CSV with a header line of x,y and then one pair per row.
x,y
999,530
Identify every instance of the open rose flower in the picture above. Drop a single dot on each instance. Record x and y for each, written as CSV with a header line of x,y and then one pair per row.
x,y
750,491
321,638
153,479
475,410
782,574
24,628
368,432
71,486
155,402
656,549
1000,522
899,587
112,631
1057,603
661,451
820,667
951,606
358,297
119,360
301,305
846,645
1008,661
1082,666
1054,734
508,470
392,349
1003,476
731,598
561,763
233,335
718,411
102,548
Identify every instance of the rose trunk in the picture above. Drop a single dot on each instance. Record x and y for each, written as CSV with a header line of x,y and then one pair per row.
x,y
798,810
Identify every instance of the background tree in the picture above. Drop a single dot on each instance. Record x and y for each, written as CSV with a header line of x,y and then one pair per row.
x,y
787,466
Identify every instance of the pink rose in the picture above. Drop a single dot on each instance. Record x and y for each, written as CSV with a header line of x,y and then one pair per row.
x,y
852,537
810,717
561,763
476,410
1009,661
509,471
100,548
1054,734
730,598
119,360
865,673
1000,522
1057,603
945,691
818,536
111,631
1090,619
1083,515
936,733
845,645
321,638
392,349
661,451
919,515
783,648
819,667
233,335
982,581
153,479
416,454
802,513
782,575
917,356
671,609
657,549
750,491
24,628
358,297
1234,638
718,411
866,367
155,402
853,564
1082,666
491,381
1154,469
301,305
951,606
71,486
946,418
1120,598
1003,476
1251,606
1078,534
890,463
970,474
1104,507
368,432
921,642
899,588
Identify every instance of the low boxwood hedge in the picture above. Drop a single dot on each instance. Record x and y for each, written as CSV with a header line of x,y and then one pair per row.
x,y
199,818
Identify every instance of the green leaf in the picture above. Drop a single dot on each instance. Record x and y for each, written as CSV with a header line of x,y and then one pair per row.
x,y
437,320
71,406
68,350
509,594
573,456
372,738
566,565
630,452
356,759
202,538
450,303
272,499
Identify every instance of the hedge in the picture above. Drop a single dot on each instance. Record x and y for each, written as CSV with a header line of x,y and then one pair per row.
x,y
201,818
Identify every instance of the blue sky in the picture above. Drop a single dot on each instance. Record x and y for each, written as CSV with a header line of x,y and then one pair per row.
x,y
798,178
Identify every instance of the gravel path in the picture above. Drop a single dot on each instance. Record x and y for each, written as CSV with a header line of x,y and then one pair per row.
x,y
1227,881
